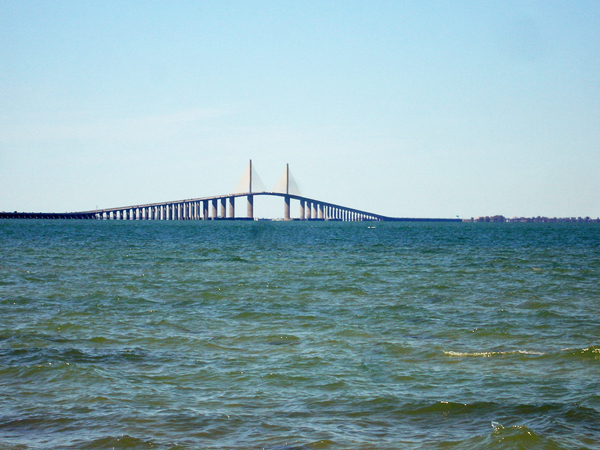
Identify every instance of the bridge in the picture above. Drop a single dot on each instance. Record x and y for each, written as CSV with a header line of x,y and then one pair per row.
x,y
222,207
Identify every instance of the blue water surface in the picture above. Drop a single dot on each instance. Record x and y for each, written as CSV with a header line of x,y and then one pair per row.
x,y
302,335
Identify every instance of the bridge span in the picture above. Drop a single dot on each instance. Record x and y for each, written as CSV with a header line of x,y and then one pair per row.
x,y
222,207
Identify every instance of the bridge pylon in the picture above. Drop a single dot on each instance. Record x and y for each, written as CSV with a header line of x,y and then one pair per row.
x,y
250,209
286,199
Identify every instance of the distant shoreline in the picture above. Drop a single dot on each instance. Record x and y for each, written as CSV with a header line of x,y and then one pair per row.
x,y
539,219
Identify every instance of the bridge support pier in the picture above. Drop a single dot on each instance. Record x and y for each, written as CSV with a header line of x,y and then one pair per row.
x,y
223,208
301,209
231,207
250,207
213,212
286,208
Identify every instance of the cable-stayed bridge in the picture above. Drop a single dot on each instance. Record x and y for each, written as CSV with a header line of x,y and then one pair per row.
x,y
223,207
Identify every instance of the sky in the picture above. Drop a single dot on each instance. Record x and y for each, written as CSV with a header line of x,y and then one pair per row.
x,y
401,108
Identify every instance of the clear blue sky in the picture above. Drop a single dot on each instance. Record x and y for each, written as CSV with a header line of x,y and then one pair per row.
x,y
404,108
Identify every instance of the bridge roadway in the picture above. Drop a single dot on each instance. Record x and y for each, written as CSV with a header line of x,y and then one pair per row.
x,y
221,207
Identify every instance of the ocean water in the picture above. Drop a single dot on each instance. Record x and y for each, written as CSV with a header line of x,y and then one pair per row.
x,y
313,335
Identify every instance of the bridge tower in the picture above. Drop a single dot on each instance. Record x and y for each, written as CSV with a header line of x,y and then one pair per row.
x,y
286,208
250,209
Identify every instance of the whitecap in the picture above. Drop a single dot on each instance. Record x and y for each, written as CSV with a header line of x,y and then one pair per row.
x,y
490,354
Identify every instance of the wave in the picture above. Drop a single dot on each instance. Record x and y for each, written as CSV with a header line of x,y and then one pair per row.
x,y
447,407
505,438
115,442
574,412
46,355
591,352
493,353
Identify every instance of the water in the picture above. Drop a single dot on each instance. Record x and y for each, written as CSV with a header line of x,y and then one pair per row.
x,y
223,335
